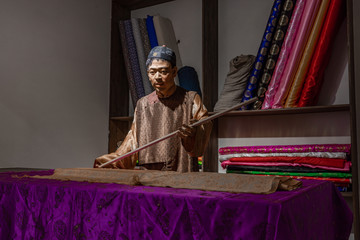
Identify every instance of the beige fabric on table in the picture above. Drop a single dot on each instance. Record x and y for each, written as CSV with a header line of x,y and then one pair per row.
x,y
235,183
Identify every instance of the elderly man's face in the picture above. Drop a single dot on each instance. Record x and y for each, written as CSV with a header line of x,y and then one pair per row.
x,y
161,76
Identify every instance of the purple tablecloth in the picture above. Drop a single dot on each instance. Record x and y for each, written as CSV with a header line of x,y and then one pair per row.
x,y
50,209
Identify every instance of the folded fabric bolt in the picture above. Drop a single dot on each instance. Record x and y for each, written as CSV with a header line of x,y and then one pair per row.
x,y
287,148
293,169
329,162
275,154
346,167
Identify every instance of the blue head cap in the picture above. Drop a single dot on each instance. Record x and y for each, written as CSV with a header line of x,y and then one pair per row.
x,y
162,52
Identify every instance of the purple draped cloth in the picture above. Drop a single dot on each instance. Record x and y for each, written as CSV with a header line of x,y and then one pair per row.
x,y
50,209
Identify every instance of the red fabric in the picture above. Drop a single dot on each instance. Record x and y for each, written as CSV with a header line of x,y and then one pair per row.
x,y
329,162
346,168
320,59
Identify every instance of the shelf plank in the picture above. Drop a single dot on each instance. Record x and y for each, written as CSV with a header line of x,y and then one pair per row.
x,y
124,119
287,111
347,194
282,111
137,4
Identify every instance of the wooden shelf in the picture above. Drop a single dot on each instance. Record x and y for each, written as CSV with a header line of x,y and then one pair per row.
x,y
287,111
124,119
120,122
136,4
347,194
282,111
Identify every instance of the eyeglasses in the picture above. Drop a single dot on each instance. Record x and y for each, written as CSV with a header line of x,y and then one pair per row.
x,y
163,72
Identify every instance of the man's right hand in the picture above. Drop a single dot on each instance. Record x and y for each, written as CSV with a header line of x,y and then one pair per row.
x,y
107,158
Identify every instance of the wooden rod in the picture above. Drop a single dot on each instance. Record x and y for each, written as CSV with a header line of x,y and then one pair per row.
x,y
202,121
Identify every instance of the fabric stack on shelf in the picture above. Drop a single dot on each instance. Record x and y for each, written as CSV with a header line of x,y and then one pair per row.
x,y
294,53
329,162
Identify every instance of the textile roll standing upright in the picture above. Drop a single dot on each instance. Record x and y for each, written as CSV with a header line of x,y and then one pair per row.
x,y
284,54
299,78
260,60
151,31
144,36
165,35
307,20
134,60
146,45
279,36
320,59
130,77
142,55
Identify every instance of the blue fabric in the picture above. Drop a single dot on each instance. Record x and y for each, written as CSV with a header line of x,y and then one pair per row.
x,y
151,31
135,66
129,73
261,57
275,47
188,79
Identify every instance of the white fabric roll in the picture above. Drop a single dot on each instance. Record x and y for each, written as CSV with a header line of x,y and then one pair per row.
x,y
166,36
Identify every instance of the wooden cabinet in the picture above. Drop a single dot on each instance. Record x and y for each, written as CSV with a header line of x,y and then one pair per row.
x,y
119,94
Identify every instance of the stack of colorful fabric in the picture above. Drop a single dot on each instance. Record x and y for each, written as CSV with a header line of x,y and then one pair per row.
x,y
137,37
294,53
329,162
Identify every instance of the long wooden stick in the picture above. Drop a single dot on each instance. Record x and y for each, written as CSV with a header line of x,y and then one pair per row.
x,y
202,121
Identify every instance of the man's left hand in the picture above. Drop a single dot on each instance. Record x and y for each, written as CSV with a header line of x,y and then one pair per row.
x,y
187,135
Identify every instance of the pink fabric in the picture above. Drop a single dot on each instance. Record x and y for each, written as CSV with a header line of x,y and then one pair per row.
x,y
287,148
284,54
307,20
346,167
315,161
275,154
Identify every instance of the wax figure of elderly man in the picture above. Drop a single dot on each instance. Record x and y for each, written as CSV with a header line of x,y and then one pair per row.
x,y
164,111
